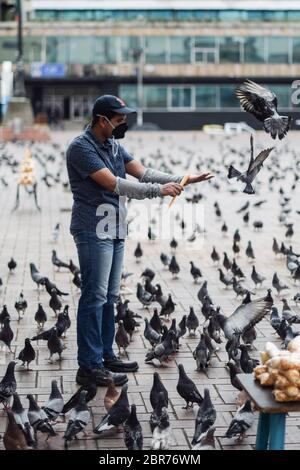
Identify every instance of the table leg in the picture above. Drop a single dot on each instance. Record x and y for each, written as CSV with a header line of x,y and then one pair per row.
x,y
263,429
277,431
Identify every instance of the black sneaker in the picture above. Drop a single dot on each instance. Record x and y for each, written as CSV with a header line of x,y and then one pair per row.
x,y
101,375
116,365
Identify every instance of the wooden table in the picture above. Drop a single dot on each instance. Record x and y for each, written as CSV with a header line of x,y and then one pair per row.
x,y
271,424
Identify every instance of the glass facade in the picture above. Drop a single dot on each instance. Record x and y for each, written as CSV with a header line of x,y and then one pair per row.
x,y
168,15
158,49
195,97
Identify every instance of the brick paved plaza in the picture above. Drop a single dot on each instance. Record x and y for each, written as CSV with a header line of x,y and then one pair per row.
x,y
26,235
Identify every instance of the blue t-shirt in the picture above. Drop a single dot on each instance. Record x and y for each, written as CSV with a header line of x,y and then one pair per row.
x,y
85,155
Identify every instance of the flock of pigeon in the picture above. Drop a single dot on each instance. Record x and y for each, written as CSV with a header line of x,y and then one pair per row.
x,y
228,269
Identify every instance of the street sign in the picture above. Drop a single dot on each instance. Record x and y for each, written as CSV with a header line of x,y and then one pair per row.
x,y
39,70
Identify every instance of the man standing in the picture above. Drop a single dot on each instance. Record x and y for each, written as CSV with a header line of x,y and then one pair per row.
x,y
97,167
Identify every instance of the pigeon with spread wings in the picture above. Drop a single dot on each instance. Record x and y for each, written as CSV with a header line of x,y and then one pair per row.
x,y
262,103
254,167
245,316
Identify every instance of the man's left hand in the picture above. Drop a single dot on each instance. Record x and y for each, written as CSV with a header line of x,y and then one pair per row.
x,y
199,178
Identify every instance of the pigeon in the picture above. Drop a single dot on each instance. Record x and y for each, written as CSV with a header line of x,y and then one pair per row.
x,y
206,417
275,320
242,421
202,354
111,395
22,421
54,406
73,268
288,314
296,298
215,256
148,273
160,425
90,387
168,308
56,232
206,441
174,267
253,169
246,218
121,337
54,303
156,389
226,262
79,419
163,350
55,344
233,371
173,244
21,306
13,438
57,262
6,334
195,272
133,434
27,354
77,280
155,322
249,336
256,277
138,252
50,285
277,284
11,265
247,363
275,247
150,287
227,280
187,389
224,229
40,317
36,276
192,321
165,260
4,314
150,334
238,288
117,415
245,316
8,384
143,296
249,251
160,297
262,103
38,419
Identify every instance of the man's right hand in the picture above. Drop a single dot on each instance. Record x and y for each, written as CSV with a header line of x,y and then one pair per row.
x,y
171,189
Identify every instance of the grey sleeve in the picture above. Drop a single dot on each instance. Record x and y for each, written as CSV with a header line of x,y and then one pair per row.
x,y
136,190
155,176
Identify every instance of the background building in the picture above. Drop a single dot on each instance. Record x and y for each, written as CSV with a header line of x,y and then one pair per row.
x,y
194,54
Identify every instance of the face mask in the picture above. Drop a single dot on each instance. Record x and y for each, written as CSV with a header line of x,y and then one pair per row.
x,y
118,131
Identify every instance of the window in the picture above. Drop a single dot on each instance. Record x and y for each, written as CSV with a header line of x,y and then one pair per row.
x,y
206,96
155,96
156,49
180,49
254,50
283,95
8,48
296,50
278,50
57,50
33,49
128,93
181,97
227,97
230,50
128,45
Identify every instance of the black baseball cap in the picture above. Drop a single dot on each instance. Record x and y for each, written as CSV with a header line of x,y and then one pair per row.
x,y
108,103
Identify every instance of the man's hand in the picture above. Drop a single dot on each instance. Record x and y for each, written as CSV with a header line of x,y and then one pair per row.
x,y
199,178
171,189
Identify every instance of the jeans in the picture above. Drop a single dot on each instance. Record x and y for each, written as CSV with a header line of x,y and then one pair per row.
x,y
101,262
